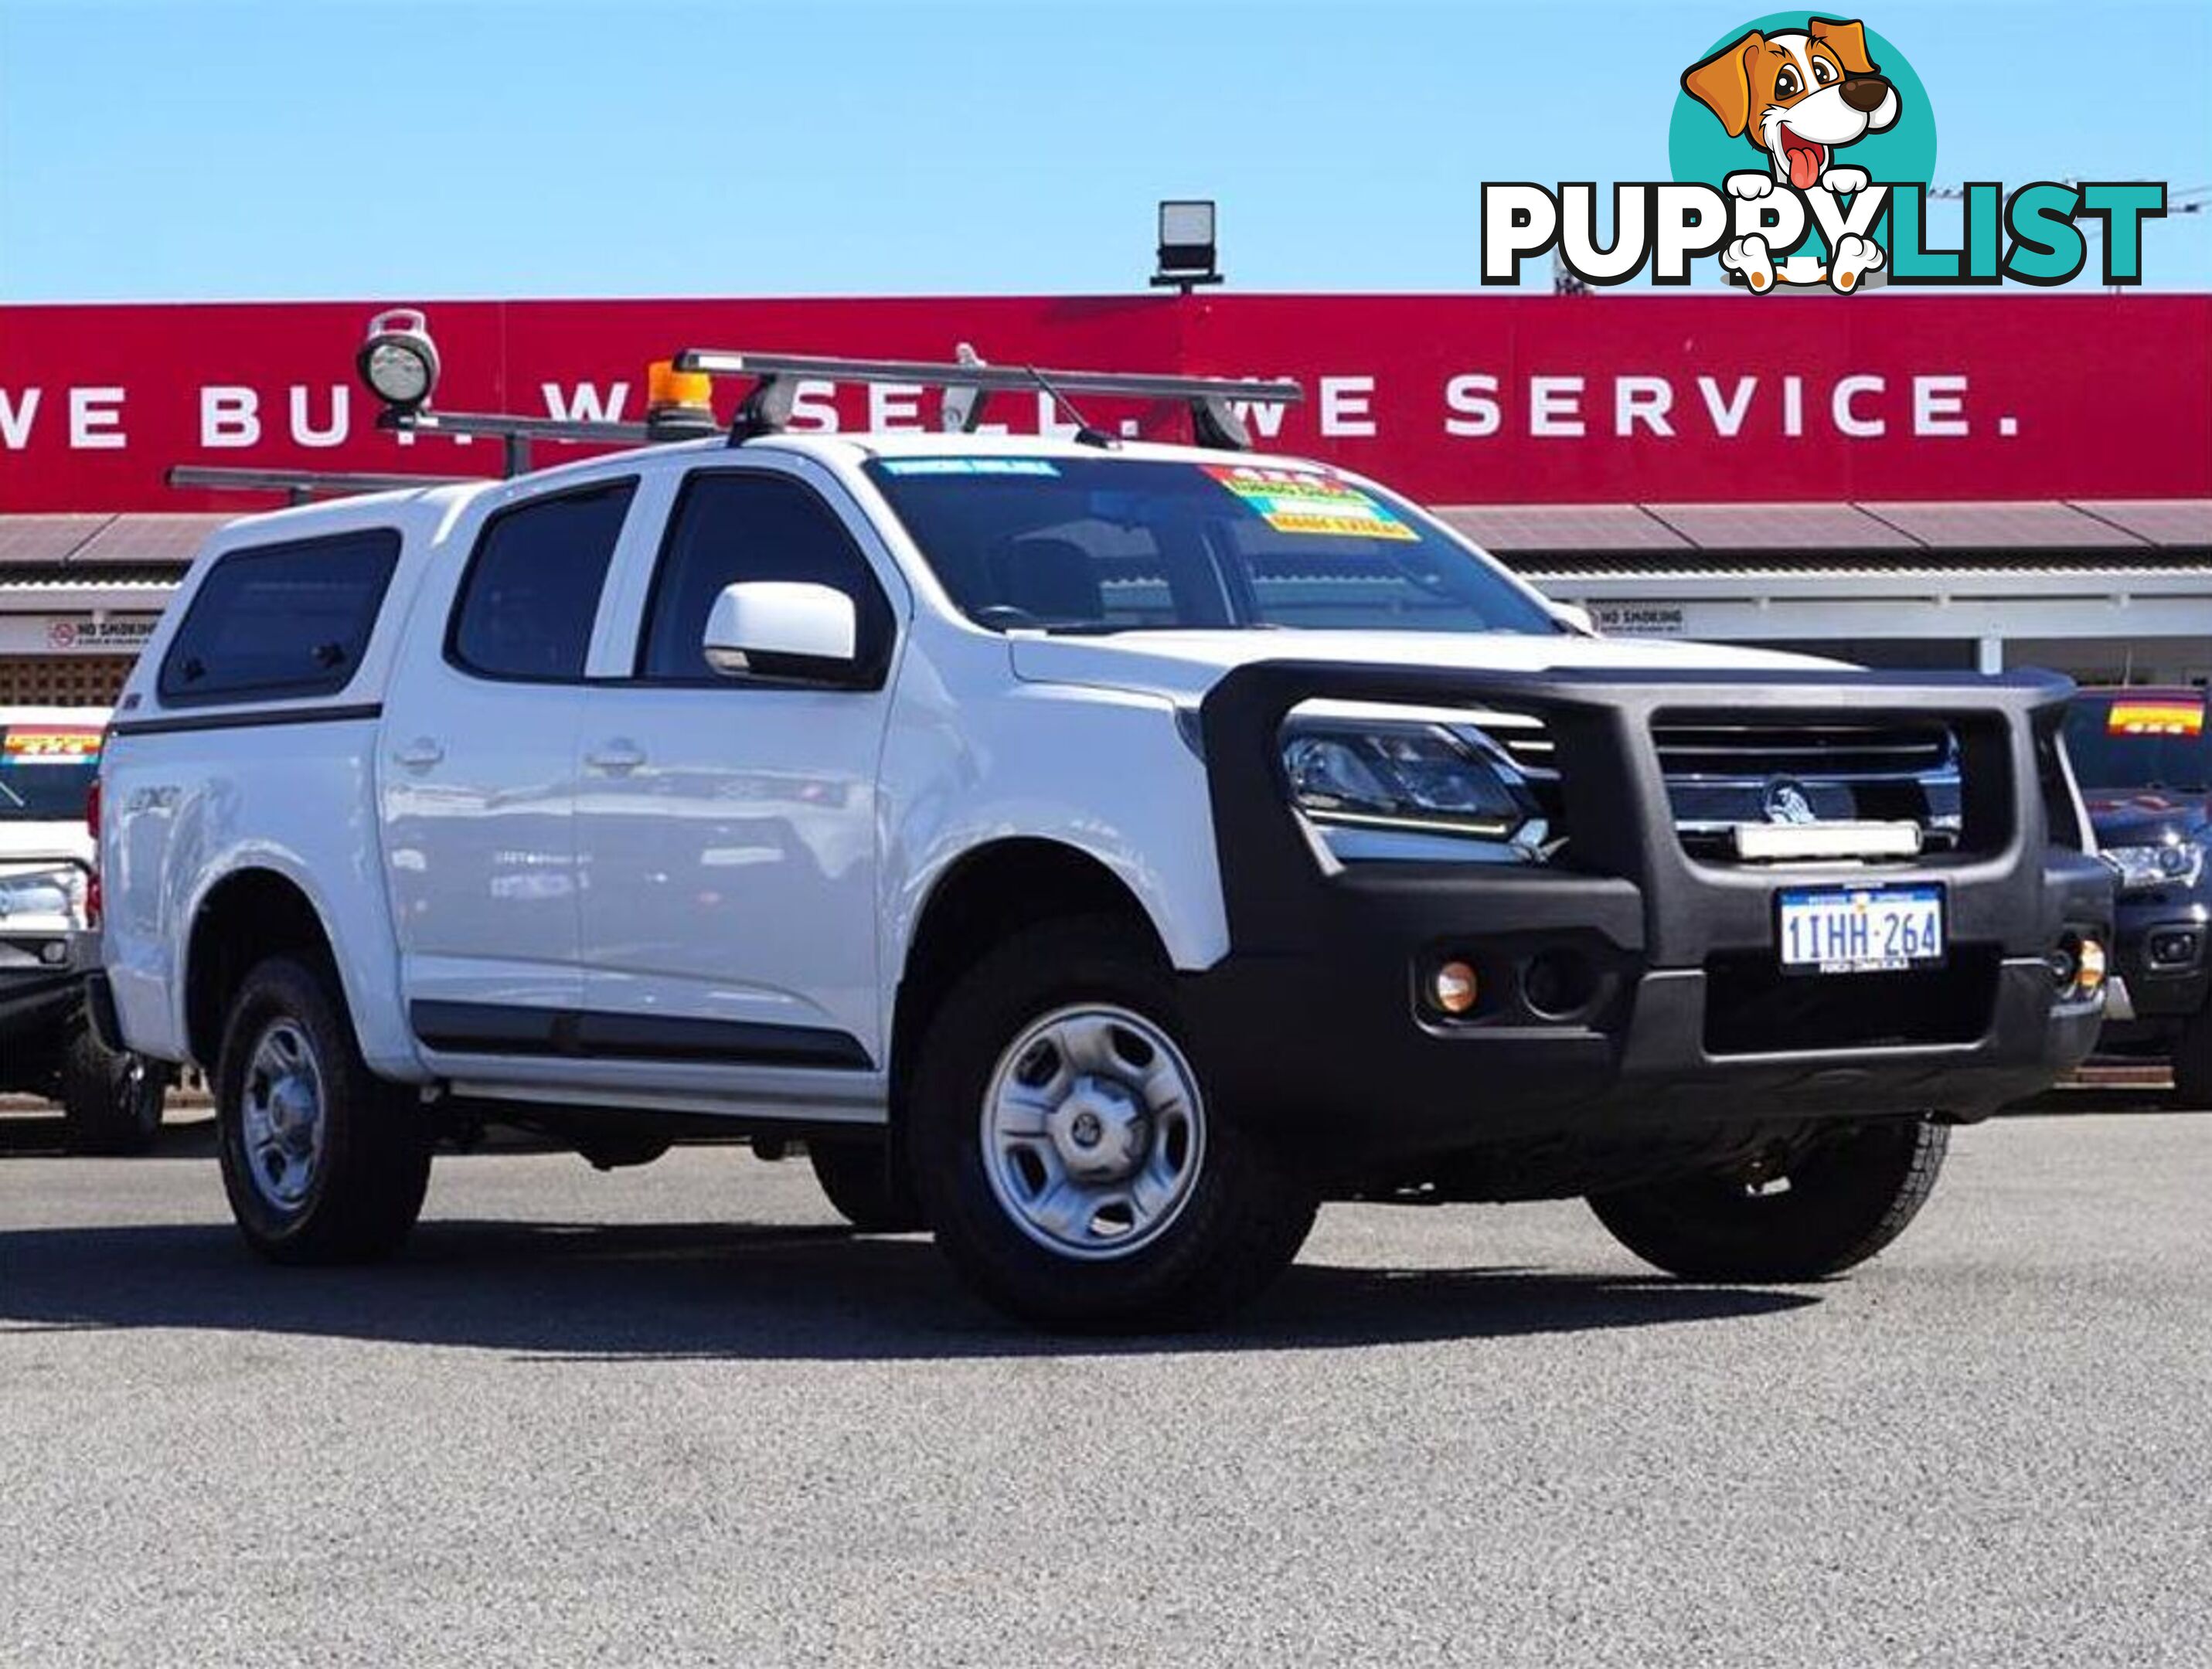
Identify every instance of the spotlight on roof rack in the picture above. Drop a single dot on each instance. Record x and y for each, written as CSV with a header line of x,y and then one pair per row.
x,y
398,359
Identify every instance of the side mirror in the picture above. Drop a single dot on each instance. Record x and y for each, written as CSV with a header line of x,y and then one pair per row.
x,y
1578,617
781,628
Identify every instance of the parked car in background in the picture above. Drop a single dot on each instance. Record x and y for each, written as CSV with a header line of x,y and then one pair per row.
x,y
49,940
2144,762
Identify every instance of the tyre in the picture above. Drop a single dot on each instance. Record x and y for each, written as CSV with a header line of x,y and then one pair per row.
x,y
111,1101
1839,1202
324,1162
857,1178
2192,1062
1067,1152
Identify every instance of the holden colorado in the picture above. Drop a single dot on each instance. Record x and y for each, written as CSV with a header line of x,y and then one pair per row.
x,y
1098,852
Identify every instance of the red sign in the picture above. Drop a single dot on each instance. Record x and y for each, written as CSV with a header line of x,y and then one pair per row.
x,y
1457,400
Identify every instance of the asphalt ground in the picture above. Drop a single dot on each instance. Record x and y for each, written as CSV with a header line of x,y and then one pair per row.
x,y
677,1415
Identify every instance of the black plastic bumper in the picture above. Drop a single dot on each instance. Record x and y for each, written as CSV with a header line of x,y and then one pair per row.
x,y
1677,1016
2164,953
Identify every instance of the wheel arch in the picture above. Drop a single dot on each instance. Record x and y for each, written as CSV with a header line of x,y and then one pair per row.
x,y
248,914
989,892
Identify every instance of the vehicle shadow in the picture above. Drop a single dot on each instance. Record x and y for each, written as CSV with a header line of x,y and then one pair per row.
x,y
716,1290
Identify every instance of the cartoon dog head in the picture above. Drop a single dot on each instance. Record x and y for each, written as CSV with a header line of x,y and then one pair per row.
x,y
1796,94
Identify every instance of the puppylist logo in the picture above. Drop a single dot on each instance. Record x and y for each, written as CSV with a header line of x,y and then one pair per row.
x,y
1802,149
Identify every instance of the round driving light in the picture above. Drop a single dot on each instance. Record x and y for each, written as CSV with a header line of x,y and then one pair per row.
x,y
2089,967
1454,987
398,359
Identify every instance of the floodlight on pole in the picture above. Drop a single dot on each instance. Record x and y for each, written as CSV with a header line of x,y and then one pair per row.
x,y
1188,252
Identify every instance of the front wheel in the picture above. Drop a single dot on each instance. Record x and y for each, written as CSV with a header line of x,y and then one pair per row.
x,y
1066,1151
1834,1204
112,1099
324,1162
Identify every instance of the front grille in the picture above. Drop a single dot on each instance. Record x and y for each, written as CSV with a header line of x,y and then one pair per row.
x,y
1721,772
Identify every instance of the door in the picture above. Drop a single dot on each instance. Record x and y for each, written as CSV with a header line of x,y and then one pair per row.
x,y
726,828
476,774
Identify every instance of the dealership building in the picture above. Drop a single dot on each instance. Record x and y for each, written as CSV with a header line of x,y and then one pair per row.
x,y
1902,479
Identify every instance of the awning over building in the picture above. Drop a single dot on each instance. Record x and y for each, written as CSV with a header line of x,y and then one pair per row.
x,y
1788,535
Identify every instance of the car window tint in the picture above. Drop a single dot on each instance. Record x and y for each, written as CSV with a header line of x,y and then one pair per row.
x,y
279,620
730,526
533,589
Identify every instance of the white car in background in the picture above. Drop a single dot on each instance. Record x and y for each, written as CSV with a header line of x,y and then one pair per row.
x,y
49,939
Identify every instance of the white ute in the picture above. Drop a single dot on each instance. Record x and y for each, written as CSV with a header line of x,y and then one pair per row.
x,y
1098,851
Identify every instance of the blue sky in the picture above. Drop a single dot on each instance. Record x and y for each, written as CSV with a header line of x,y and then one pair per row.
x,y
210,148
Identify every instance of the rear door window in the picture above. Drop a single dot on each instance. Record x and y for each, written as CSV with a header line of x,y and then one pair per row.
x,y
281,620
532,592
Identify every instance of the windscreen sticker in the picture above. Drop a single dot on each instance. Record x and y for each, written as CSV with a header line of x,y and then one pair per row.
x,y
49,747
1306,502
970,466
2156,718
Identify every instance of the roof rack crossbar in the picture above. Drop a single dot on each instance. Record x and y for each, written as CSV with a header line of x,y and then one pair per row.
x,y
300,485
1214,420
517,431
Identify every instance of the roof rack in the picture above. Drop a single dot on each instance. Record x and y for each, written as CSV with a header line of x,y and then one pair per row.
x,y
300,485
969,382
399,362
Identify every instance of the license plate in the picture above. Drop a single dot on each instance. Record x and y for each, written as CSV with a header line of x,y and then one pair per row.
x,y
1860,930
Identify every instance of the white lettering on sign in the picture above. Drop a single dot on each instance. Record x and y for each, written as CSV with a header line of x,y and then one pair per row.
x,y
230,416
1555,406
1265,420
95,417
813,407
15,416
1938,405
332,433
1546,402
585,402
1727,419
894,405
1644,400
1473,399
1347,405
1847,421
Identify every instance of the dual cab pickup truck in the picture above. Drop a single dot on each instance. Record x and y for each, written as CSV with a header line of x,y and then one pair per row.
x,y
1098,851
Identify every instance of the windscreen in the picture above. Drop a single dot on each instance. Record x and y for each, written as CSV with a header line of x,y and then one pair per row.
x,y
46,771
1114,544
2156,742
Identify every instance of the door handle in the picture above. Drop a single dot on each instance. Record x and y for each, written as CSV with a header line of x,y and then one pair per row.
x,y
420,755
618,756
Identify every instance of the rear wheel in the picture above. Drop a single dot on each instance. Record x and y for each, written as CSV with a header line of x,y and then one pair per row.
x,y
857,1177
1835,1204
112,1099
324,1162
1067,1152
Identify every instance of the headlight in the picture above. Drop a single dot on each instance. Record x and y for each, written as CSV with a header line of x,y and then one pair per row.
x,y
2175,863
1411,792
42,894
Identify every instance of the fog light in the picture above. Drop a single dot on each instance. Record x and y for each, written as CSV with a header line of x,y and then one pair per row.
x,y
2088,967
53,953
1454,987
